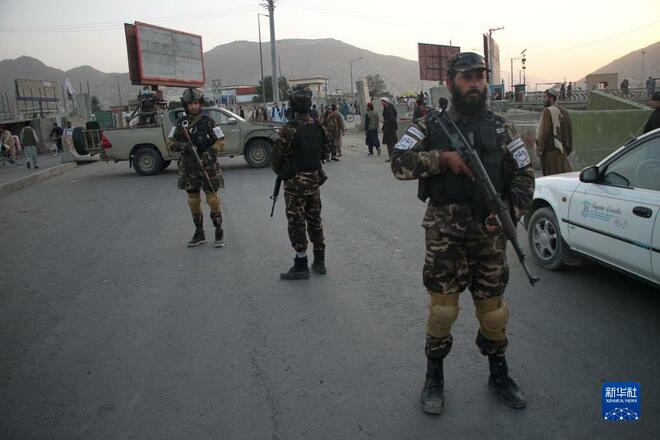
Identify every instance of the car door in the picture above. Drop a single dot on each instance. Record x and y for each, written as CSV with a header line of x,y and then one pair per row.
x,y
613,219
655,250
230,128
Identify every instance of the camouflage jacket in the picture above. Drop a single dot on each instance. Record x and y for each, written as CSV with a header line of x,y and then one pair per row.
x,y
303,182
333,123
414,160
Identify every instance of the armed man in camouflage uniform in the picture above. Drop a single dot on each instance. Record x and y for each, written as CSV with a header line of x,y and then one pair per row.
x,y
298,155
465,246
207,138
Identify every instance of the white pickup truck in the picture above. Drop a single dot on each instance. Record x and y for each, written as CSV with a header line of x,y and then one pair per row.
x,y
144,147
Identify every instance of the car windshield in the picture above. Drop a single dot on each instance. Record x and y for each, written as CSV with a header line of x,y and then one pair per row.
x,y
233,115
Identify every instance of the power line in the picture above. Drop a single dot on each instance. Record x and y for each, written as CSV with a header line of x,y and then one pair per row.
x,y
107,26
595,41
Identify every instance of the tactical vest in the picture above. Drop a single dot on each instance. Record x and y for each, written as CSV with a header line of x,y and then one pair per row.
x,y
307,147
201,134
450,188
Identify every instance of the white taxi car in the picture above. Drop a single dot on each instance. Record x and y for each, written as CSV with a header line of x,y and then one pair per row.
x,y
608,212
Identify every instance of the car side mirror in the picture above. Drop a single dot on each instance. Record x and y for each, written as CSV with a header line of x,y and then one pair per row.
x,y
232,121
590,174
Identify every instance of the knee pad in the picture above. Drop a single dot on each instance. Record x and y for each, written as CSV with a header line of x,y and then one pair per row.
x,y
213,201
195,203
493,316
443,311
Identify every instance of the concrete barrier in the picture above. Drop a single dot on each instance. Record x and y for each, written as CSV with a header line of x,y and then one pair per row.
x,y
23,182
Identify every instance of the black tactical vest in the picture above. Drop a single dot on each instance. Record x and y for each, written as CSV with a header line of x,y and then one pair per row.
x,y
307,146
449,188
201,134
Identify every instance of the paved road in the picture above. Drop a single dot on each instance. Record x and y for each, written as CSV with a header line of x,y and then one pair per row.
x,y
113,329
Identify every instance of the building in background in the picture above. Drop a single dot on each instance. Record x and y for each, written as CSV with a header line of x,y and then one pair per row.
x,y
318,85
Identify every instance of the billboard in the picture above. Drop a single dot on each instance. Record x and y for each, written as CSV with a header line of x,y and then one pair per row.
x,y
433,60
36,90
492,56
160,56
37,96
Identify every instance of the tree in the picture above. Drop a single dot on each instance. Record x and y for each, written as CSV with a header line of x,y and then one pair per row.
x,y
268,88
95,104
376,85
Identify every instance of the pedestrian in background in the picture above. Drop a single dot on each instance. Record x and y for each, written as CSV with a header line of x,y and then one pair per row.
x,y
29,140
390,137
419,111
569,91
654,119
314,113
56,135
241,113
650,87
554,136
334,126
371,122
7,141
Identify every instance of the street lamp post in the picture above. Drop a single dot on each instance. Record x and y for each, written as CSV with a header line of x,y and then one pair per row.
x,y
351,64
261,61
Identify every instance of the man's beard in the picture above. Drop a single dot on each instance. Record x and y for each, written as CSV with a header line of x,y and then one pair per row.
x,y
471,107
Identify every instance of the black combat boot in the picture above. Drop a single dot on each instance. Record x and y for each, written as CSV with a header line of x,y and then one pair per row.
x,y
433,393
216,218
318,265
504,386
199,237
299,271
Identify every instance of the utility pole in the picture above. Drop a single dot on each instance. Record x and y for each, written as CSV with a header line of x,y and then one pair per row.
x,y
641,82
351,63
121,115
270,5
261,61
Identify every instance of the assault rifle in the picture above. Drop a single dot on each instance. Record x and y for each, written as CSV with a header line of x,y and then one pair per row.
x,y
276,193
492,198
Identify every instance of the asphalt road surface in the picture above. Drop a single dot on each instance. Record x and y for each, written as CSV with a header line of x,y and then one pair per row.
x,y
113,329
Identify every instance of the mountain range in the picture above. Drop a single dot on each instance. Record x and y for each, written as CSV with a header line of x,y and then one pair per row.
x,y
238,63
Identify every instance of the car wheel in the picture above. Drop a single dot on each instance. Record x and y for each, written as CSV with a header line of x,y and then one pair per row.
x,y
258,153
147,161
545,241
166,163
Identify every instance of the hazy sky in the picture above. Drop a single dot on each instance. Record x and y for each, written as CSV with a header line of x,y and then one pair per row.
x,y
563,38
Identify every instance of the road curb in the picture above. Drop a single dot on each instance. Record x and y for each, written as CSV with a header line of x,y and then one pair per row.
x,y
20,183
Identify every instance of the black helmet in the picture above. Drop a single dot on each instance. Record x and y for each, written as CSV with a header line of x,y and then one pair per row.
x,y
190,95
300,99
466,61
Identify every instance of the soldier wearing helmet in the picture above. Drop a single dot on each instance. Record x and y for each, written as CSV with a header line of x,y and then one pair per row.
x,y
300,149
196,131
465,246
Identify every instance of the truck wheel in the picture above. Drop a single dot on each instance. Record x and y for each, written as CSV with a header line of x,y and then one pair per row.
x,y
258,153
166,163
545,241
147,161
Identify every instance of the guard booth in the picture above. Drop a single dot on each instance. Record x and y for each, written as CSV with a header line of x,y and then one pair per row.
x,y
519,90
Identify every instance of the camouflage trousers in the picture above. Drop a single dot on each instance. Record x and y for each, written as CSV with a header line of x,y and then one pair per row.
x,y
460,254
303,213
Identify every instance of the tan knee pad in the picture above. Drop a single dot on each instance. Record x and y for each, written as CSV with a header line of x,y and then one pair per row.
x,y
195,203
493,315
443,311
213,201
